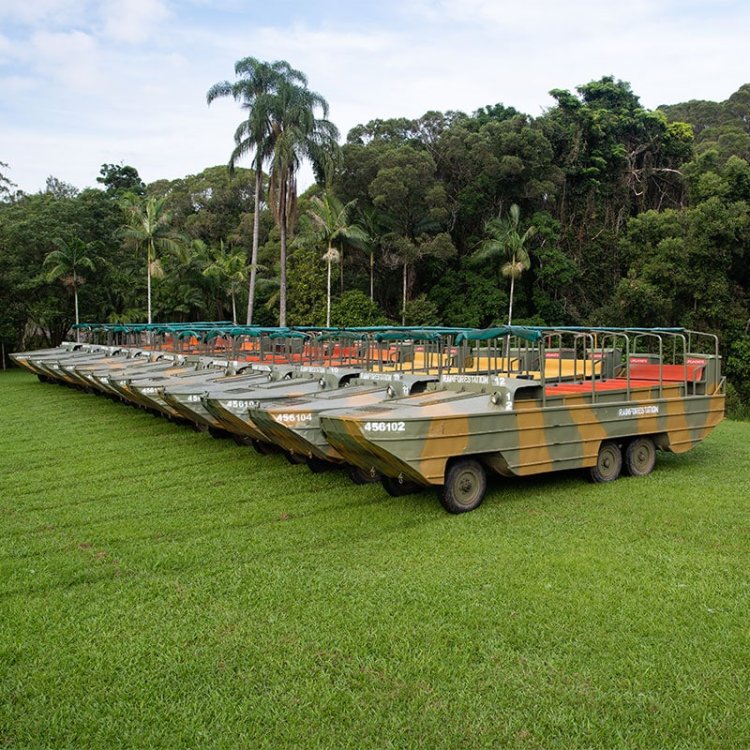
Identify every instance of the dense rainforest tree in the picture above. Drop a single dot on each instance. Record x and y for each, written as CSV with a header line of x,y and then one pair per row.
x,y
6,186
119,179
631,217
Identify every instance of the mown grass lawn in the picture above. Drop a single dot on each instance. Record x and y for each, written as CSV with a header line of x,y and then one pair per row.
x,y
162,589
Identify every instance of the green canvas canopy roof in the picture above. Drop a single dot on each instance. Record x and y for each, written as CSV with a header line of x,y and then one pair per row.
x,y
527,334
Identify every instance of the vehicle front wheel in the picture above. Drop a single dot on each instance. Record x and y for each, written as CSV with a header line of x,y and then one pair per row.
x,y
241,439
640,457
465,486
398,487
217,433
358,475
318,465
608,463
265,449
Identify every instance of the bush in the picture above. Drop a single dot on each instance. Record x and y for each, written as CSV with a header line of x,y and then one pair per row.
x,y
736,408
354,308
421,312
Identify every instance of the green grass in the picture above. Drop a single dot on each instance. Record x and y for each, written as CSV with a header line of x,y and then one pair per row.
x,y
162,589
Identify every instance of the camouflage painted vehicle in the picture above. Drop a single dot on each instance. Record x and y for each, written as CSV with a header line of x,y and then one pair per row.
x,y
55,368
231,407
407,362
664,392
388,355
272,356
138,363
26,359
187,399
31,360
145,386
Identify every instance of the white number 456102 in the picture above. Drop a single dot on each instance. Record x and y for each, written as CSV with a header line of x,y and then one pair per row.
x,y
385,427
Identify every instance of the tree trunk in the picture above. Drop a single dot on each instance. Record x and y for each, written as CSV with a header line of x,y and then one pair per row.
x,y
148,283
510,305
328,298
403,302
372,277
234,309
282,259
256,242
510,318
75,298
341,269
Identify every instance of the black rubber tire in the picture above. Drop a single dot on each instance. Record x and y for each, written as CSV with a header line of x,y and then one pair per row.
x,y
241,439
608,463
396,488
358,475
465,486
265,449
217,433
42,378
318,465
294,458
640,457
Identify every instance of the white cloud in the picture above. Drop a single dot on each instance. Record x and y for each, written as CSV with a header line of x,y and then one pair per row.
x,y
133,21
47,12
68,58
126,80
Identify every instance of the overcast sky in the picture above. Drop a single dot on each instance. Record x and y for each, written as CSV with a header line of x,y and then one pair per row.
x,y
84,82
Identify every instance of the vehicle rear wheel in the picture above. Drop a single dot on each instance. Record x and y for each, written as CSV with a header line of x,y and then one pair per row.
x,y
294,458
358,475
465,486
640,457
399,487
242,439
608,463
265,449
318,465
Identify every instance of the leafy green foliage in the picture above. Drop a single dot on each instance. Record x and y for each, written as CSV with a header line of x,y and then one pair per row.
x,y
636,216
421,311
120,179
354,308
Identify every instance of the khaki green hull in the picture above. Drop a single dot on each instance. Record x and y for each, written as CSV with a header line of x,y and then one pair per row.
x,y
417,442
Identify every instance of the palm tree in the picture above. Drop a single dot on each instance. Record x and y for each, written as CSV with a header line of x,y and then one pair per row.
x,y
149,227
67,262
184,293
257,82
506,241
373,228
230,269
296,134
331,217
